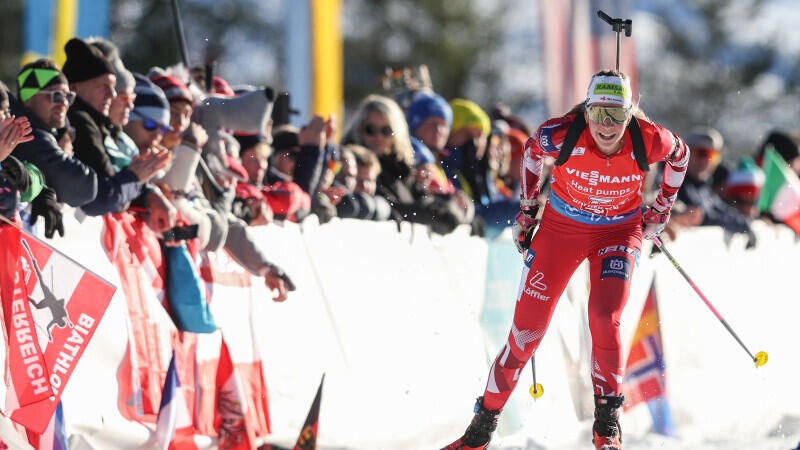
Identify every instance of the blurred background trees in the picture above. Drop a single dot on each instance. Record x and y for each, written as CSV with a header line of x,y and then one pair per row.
x,y
705,62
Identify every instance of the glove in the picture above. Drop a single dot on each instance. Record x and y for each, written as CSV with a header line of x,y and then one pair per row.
x,y
9,200
15,171
46,205
523,227
653,223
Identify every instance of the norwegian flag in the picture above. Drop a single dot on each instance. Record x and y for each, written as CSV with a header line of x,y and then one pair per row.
x,y
576,43
51,309
645,379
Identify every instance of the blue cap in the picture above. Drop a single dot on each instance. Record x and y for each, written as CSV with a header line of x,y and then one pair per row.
x,y
422,154
428,105
150,103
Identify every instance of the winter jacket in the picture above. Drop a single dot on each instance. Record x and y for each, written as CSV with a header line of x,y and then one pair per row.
x,y
409,202
120,149
115,189
716,211
468,172
74,183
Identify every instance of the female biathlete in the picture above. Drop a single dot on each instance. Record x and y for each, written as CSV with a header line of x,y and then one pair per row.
x,y
603,147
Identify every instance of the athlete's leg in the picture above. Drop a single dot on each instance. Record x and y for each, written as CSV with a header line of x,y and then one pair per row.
x,y
549,264
611,270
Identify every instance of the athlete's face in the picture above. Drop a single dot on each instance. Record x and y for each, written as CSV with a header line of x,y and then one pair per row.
x,y
608,134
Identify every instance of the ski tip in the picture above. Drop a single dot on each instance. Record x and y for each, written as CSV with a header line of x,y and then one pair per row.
x,y
536,390
761,359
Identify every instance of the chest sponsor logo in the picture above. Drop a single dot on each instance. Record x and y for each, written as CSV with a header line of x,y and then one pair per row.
x,y
578,151
616,267
594,177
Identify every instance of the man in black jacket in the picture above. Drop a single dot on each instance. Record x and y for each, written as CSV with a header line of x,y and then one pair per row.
x,y
45,105
92,77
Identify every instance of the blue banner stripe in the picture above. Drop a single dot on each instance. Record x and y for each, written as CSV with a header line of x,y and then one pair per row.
x,y
93,18
38,26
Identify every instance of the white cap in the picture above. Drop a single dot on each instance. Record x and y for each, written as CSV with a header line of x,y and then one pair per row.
x,y
609,89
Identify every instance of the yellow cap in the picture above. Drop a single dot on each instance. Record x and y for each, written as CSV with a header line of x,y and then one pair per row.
x,y
468,114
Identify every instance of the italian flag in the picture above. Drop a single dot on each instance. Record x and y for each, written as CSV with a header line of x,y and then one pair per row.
x,y
781,194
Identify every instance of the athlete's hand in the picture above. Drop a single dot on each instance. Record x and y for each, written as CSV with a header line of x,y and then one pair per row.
x,y
653,222
522,229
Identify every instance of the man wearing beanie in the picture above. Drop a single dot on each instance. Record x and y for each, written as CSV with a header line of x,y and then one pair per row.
x,y
92,77
44,97
429,119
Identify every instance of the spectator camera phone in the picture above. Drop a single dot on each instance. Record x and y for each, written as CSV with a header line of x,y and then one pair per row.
x,y
181,233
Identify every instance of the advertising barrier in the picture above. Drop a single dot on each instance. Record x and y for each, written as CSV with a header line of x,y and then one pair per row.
x,y
404,323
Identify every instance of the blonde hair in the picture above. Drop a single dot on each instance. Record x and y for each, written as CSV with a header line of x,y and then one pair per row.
x,y
401,144
635,111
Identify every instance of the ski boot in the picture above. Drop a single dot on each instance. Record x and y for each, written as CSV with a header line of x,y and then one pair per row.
x,y
606,432
479,432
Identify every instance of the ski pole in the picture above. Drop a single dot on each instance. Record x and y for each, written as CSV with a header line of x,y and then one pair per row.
x,y
536,390
761,357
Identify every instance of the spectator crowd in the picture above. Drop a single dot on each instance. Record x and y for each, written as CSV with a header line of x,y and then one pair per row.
x,y
180,151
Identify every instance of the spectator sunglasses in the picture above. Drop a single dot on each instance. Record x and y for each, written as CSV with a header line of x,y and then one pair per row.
x,y
599,113
150,124
372,130
59,96
706,153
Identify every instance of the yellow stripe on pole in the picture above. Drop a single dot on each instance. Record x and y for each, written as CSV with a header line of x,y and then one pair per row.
x,y
327,52
66,22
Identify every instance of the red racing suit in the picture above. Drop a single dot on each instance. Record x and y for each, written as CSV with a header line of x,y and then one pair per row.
x,y
594,212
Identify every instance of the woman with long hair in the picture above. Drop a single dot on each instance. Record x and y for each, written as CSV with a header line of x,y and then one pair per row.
x,y
380,125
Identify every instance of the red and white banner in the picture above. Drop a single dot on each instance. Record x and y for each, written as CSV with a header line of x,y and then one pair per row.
x,y
134,250
234,427
51,308
231,297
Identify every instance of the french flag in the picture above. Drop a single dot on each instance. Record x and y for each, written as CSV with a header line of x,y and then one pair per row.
x,y
174,427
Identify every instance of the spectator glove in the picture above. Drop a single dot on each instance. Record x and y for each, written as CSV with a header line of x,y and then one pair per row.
x,y
15,172
46,205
